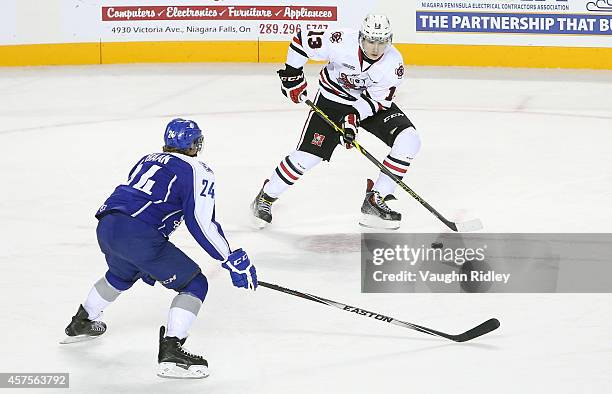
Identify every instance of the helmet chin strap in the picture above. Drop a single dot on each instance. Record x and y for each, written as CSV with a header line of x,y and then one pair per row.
x,y
196,147
365,55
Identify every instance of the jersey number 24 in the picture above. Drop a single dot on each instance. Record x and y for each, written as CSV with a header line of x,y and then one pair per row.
x,y
210,191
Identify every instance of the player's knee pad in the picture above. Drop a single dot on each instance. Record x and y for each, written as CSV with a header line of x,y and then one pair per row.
x,y
407,144
198,287
117,282
304,160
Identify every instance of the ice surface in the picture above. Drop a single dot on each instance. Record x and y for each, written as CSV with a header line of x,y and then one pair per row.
x,y
525,151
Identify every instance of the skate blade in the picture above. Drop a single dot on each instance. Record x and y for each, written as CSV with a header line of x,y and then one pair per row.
x,y
78,338
255,221
371,221
259,223
173,371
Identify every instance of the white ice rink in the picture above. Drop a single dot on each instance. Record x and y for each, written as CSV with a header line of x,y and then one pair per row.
x,y
525,151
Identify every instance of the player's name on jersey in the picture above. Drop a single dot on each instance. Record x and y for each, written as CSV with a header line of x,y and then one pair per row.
x,y
158,157
436,277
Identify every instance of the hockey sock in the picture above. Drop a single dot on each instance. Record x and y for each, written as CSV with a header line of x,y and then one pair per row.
x,y
183,312
290,169
406,146
100,296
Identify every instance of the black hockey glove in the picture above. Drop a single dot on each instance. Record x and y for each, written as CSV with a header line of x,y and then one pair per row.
x,y
293,83
350,123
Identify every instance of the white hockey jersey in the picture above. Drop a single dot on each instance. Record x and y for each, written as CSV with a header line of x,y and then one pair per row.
x,y
348,78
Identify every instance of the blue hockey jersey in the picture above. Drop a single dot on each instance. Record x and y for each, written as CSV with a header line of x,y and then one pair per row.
x,y
163,189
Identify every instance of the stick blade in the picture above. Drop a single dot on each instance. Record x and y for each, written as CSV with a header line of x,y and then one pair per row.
x,y
468,226
479,330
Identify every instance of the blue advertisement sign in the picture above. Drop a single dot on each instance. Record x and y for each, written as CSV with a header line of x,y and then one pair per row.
x,y
513,23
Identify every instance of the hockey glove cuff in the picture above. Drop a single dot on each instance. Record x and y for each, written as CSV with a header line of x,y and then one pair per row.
x,y
241,270
293,83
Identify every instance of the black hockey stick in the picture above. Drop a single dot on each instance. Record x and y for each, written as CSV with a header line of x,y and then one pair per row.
x,y
470,334
470,225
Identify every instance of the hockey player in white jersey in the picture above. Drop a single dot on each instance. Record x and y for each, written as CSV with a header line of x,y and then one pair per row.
x,y
134,226
356,90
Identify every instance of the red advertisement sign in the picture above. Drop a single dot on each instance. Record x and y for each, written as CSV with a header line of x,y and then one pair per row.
x,y
243,12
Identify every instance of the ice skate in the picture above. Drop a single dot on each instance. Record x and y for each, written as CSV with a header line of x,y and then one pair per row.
x,y
82,329
262,208
175,362
376,213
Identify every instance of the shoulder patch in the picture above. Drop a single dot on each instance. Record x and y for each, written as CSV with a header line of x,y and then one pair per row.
x,y
335,37
400,71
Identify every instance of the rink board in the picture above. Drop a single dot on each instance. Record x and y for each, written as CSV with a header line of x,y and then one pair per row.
x,y
505,33
275,52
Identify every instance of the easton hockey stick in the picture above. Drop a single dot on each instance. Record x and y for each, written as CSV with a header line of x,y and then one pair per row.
x,y
470,334
470,225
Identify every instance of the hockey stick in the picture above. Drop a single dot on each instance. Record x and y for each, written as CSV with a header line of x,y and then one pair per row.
x,y
470,225
470,334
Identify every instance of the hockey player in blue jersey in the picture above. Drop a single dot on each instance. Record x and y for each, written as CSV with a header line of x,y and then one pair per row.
x,y
134,225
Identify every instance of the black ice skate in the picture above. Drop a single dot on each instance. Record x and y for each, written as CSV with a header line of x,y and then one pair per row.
x,y
176,362
262,208
376,213
82,329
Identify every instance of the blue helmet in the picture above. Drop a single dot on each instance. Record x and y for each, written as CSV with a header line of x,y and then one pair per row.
x,y
183,134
